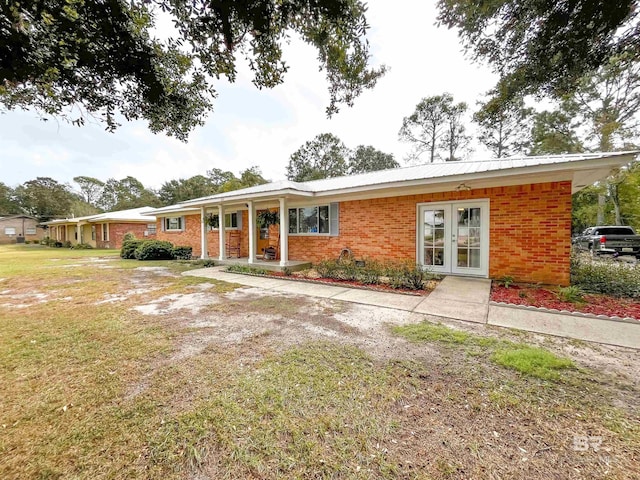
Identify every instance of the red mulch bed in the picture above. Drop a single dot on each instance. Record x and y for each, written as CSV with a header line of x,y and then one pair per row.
x,y
546,297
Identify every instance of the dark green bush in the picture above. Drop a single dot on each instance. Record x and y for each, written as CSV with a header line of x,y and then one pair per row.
x,y
606,276
154,250
128,250
328,269
127,237
182,252
67,244
82,246
57,244
370,272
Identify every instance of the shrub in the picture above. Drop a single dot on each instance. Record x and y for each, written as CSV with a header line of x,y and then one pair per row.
x,y
573,294
67,244
82,246
128,237
406,275
57,244
607,277
45,241
128,250
328,269
370,273
154,250
182,252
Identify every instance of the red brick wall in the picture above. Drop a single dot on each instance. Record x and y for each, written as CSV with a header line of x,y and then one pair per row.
x,y
190,236
117,231
530,230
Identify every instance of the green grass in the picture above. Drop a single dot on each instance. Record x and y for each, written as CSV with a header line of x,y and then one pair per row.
x,y
530,361
535,362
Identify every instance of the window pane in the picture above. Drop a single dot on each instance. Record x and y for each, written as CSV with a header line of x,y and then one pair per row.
x,y
324,219
30,231
231,220
293,220
474,258
308,220
9,230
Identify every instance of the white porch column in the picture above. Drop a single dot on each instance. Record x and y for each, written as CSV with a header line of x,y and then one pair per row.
x,y
252,232
79,233
221,236
284,232
203,233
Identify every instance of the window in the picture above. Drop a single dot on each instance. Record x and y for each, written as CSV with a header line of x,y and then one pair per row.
x,y
151,228
230,221
93,232
174,223
105,232
9,230
309,220
30,230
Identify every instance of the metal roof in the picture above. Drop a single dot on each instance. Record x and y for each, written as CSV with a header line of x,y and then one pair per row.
x,y
130,215
431,173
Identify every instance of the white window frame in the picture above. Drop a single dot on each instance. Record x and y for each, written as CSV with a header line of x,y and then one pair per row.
x,y
228,215
167,220
310,234
30,231
152,228
10,231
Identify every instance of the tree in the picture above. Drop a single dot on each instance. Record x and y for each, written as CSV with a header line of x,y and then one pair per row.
x,y
175,191
435,124
219,177
8,204
368,159
323,157
126,194
102,58
455,138
90,189
543,46
503,126
248,178
45,198
554,132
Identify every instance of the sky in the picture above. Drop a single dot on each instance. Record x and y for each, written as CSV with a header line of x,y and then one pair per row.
x,y
250,127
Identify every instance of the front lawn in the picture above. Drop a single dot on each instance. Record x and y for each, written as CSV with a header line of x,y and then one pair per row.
x,y
116,368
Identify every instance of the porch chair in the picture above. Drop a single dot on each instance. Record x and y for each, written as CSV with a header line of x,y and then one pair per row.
x,y
272,252
233,244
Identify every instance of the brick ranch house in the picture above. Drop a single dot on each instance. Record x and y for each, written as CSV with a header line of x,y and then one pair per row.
x,y
18,228
480,218
104,230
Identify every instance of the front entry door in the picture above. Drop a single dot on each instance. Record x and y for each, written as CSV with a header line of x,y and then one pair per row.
x,y
454,237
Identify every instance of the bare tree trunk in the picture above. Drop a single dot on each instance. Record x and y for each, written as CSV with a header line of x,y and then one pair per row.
x,y
601,202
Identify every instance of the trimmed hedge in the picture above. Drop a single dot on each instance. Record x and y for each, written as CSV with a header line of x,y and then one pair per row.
x,y
182,252
128,250
154,250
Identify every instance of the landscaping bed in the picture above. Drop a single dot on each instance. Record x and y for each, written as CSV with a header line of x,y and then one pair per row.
x,y
392,279
550,298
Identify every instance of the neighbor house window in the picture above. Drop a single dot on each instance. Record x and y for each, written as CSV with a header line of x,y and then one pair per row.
x,y
9,230
30,230
309,220
151,228
105,232
93,232
174,223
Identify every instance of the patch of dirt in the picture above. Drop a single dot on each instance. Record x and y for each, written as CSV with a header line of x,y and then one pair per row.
x,y
21,300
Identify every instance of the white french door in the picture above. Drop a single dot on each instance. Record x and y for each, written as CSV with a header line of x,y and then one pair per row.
x,y
453,237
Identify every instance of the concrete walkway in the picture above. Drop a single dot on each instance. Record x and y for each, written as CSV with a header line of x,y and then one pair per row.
x,y
459,298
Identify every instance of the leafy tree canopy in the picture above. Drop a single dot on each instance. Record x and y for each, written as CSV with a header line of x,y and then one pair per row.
x,y
435,125
8,203
323,157
90,189
101,58
369,159
45,198
554,132
543,46
125,194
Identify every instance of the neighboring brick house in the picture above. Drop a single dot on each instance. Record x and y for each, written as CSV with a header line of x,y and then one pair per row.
x,y
104,230
480,218
19,228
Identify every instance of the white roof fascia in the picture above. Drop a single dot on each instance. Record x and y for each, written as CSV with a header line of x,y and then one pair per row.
x,y
239,198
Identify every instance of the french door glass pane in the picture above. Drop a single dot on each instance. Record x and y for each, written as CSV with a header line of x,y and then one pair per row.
x,y
468,237
433,237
